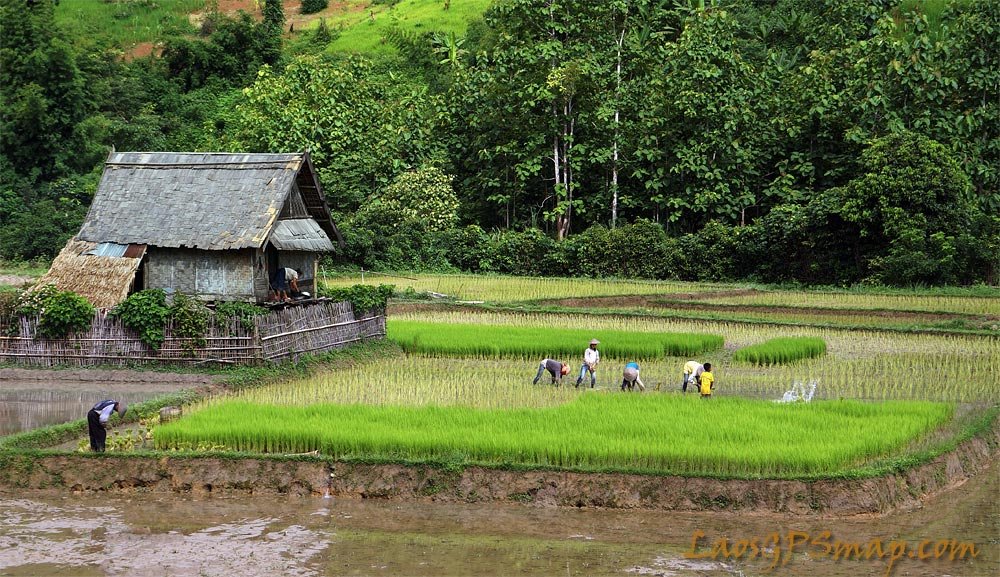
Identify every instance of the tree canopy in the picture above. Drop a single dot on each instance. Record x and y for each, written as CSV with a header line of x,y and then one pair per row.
x,y
820,141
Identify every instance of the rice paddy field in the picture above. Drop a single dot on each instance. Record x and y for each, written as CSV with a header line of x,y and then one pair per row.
x,y
505,289
650,434
955,310
458,389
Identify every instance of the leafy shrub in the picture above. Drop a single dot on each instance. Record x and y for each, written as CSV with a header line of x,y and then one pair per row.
x,y
522,253
314,6
466,248
710,254
423,195
64,312
907,210
245,313
190,317
388,243
146,313
59,312
8,313
639,250
587,253
364,298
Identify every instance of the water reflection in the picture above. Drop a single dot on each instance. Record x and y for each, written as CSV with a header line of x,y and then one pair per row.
x,y
23,408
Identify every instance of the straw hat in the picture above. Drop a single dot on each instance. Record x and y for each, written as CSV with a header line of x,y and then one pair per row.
x,y
122,407
595,342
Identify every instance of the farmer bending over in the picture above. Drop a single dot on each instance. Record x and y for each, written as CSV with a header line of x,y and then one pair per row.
x,y
97,422
630,377
555,368
692,375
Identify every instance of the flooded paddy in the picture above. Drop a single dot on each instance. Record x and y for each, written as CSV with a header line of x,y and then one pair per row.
x,y
31,398
167,534
42,533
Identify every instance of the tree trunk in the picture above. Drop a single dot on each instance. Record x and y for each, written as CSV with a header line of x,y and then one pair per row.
x,y
614,155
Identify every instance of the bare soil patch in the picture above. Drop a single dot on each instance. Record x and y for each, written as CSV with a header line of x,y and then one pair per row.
x,y
68,379
295,20
16,280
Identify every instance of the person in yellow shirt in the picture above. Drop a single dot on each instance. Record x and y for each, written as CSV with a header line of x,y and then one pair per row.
x,y
707,382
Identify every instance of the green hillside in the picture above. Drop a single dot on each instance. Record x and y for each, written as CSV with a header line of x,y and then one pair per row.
x,y
364,30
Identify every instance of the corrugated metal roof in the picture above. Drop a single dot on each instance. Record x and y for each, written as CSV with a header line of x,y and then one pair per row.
x,y
302,234
109,249
213,201
114,250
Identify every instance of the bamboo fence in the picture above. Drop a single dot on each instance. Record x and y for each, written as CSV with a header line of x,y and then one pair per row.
x,y
281,334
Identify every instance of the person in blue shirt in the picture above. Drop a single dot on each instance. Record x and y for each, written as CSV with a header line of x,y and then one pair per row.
x,y
97,422
630,377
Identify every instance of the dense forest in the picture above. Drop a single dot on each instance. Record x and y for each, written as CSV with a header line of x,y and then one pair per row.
x,y
810,141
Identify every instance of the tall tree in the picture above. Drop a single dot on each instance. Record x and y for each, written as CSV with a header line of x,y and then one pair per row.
x,y
527,96
41,90
361,122
711,115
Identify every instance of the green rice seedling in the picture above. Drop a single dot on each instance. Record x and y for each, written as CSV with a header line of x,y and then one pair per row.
x,y
781,350
479,340
594,432
417,381
862,364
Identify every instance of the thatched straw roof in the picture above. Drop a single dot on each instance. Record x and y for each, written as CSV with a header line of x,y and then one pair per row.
x,y
210,201
103,280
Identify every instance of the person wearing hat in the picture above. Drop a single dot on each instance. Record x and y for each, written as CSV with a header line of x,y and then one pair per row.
x,y
555,368
630,377
591,358
97,422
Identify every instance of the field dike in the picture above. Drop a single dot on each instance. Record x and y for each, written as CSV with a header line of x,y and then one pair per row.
x,y
314,476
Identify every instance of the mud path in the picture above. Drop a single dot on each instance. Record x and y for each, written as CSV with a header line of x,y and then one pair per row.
x,y
72,379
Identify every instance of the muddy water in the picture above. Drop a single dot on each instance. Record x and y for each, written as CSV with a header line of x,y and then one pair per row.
x,y
32,398
25,406
147,534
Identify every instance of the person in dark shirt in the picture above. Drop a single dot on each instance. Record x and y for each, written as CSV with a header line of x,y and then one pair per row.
x,y
97,422
555,368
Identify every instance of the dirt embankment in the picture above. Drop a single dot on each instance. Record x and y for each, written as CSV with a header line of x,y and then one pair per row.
x,y
207,475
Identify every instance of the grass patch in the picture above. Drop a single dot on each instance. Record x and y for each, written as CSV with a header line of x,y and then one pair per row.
x,y
125,23
595,432
478,340
364,25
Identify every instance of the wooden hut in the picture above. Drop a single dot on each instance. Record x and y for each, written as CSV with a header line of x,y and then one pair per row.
x,y
212,225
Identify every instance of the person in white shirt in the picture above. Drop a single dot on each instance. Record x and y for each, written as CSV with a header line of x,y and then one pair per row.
x,y
285,278
591,358
692,375
97,422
